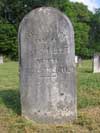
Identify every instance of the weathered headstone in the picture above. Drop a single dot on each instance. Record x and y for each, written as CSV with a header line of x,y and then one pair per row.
x,y
47,66
76,59
1,59
96,63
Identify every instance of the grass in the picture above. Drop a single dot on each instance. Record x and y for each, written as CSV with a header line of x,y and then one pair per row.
x,y
88,86
88,92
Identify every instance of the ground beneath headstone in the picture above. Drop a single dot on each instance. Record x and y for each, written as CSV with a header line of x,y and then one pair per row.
x,y
88,103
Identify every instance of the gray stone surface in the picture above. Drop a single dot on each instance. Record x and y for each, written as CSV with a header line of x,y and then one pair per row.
x,y
1,59
76,59
96,63
47,66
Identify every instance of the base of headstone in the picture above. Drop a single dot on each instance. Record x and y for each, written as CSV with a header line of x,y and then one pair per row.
x,y
50,117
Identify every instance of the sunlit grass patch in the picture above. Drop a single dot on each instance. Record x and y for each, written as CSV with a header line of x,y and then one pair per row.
x,y
88,99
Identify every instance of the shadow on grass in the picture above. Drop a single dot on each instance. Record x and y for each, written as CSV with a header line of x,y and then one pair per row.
x,y
11,99
88,71
85,71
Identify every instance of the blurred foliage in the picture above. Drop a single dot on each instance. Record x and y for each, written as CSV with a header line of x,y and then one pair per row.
x,y
95,31
85,23
8,41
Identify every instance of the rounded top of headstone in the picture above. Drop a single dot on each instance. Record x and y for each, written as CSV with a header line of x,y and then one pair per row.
x,y
49,14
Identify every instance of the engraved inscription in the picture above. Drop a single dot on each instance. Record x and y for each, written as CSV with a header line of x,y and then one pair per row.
x,y
47,73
